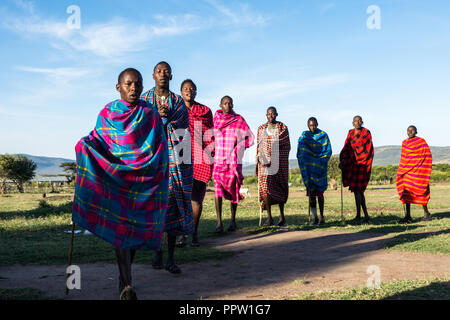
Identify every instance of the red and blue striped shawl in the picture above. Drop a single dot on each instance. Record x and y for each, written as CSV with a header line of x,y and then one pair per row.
x,y
179,217
121,188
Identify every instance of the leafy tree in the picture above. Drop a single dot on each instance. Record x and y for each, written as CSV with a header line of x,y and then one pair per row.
x,y
18,169
6,162
70,168
333,168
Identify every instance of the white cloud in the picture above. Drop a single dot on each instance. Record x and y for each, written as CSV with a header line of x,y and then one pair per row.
x,y
242,16
279,89
324,8
57,74
111,39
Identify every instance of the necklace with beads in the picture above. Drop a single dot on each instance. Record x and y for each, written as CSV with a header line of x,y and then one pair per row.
x,y
162,100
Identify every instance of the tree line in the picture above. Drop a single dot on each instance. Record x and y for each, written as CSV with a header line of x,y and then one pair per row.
x,y
380,174
18,170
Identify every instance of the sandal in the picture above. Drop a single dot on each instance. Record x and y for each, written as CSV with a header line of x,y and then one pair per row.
x,y
268,223
172,268
218,230
194,242
121,284
356,220
181,243
128,294
281,223
232,227
405,220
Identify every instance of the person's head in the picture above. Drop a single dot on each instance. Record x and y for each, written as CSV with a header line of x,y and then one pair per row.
x,y
357,122
271,114
226,104
411,131
130,85
162,74
188,90
312,124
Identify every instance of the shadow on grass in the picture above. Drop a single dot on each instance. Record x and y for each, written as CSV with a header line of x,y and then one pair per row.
x,y
382,224
441,215
434,291
48,244
38,212
413,237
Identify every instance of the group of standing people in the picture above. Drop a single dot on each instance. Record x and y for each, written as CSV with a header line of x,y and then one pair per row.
x,y
144,169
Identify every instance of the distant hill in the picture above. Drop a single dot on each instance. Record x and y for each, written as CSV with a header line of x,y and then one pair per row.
x,y
47,165
385,155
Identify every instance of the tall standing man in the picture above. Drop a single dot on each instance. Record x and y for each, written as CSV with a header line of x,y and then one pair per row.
x,y
122,172
202,147
175,117
355,161
313,153
413,175
232,136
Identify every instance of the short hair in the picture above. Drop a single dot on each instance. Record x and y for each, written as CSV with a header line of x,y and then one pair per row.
x,y
188,81
272,108
122,74
313,119
162,62
358,117
221,100
411,126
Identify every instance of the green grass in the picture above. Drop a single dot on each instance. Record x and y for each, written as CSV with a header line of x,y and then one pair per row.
x,y
22,294
35,234
434,289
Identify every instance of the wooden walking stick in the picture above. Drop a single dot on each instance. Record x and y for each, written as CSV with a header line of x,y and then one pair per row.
x,y
342,202
260,204
70,254
309,210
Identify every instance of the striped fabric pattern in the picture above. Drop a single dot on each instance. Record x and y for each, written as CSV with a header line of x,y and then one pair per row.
x,y
121,189
414,171
232,136
273,179
313,153
179,217
357,158
202,140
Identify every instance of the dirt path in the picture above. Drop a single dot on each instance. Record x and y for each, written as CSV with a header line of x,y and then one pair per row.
x,y
266,266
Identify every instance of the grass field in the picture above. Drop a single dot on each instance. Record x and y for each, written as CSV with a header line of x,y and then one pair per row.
x,y
433,289
32,232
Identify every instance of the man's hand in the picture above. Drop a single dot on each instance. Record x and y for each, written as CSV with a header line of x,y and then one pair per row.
x,y
163,112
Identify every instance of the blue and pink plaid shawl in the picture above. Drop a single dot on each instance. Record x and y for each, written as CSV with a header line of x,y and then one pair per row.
x,y
313,153
179,217
121,191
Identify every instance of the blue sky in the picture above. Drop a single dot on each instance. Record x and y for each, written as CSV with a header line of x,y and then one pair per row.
x,y
307,58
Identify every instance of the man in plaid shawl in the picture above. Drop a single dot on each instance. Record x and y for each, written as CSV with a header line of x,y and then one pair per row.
x,y
313,153
272,165
232,136
175,117
202,146
122,172
356,164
